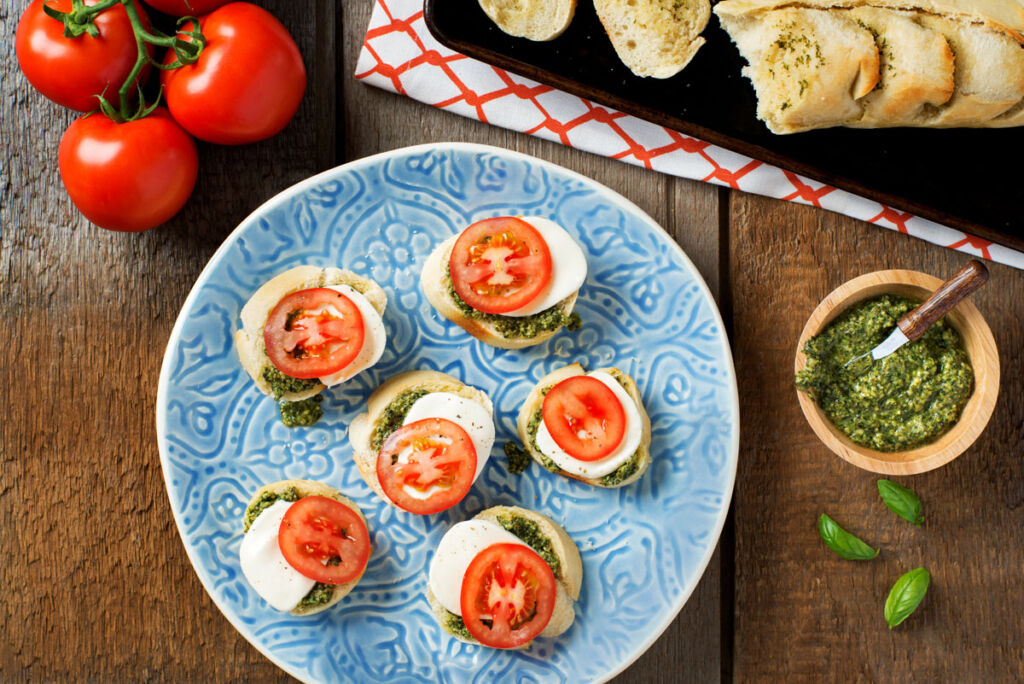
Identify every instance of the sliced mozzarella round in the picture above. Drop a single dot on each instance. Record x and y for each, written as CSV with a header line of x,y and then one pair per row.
x,y
471,416
568,267
263,564
373,340
627,447
457,549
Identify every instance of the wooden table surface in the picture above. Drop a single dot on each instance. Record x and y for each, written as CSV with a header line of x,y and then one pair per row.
x,y
96,583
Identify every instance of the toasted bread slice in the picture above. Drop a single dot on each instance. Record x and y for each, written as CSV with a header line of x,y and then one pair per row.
x,y
306,488
362,427
655,38
535,400
534,19
435,282
249,340
569,576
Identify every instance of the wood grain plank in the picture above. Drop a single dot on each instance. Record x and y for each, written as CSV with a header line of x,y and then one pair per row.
x,y
802,612
106,590
378,121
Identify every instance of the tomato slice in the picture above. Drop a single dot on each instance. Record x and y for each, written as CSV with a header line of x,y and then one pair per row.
x,y
324,539
434,458
508,595
584,417
500,264
313,333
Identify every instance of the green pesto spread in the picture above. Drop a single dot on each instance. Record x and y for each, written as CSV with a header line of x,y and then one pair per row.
x,y
454,625
531,432
911,397
320,593
281,384
518,457
623,472
529,532
394,416
301,413
516,326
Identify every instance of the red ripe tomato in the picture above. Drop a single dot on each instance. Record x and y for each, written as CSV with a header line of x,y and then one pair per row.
x,y
508,595
324,539
247,83
584,417
70,71
500,265
130,176
181,8
435,458
313,333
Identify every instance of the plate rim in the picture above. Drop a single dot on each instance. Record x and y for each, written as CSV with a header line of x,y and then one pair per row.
x,y
298,188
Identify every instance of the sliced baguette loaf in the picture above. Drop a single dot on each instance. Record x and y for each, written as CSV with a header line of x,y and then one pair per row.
x,y
655,38
569,576
534,19
363,426
249,340
942,63
435,283
535,401
306,488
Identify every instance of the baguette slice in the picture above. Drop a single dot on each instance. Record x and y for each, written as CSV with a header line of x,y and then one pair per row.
x,y
569,577
306,488
249,340
655,38
808,66
916,68
435,286
535,400
360,431
539,20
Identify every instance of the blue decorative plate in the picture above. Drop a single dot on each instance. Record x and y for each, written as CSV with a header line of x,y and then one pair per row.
x,y
645,310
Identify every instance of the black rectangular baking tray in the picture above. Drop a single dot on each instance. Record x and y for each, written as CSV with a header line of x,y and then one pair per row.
x,y
969,179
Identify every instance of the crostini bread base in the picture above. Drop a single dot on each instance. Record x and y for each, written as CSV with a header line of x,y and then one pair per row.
x,y
569,578
535,400
249,340
306,488
539,20
654,38
435,286
362,427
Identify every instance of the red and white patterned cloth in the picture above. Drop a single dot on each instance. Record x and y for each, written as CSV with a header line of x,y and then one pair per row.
x,y
400,55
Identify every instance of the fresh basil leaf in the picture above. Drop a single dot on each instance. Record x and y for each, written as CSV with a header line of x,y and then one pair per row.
x,y
842,542
901,501
905,596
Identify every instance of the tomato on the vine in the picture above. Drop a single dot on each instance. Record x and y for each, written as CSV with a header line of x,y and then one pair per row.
x,y
71,71
130,176
248,81
181,8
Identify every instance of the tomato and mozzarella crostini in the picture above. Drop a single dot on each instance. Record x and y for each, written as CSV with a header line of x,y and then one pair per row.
x,y
591,427
423,441
511,282
305,546
310,328
504,578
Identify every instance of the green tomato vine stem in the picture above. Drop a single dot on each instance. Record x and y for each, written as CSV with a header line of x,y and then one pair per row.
x,y
81,20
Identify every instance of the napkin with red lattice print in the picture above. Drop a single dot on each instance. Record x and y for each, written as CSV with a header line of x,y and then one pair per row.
x,y
399,54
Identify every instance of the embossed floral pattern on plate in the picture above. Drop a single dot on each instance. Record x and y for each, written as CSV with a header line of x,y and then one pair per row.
x,y
644,309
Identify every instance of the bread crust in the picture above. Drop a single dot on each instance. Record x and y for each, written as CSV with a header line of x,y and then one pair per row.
x,y
535,399
569,579
306,488
249,339
362,427
435,287
943,63
539,20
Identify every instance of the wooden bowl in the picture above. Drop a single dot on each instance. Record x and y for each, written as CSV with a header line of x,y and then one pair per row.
x,y
981,348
